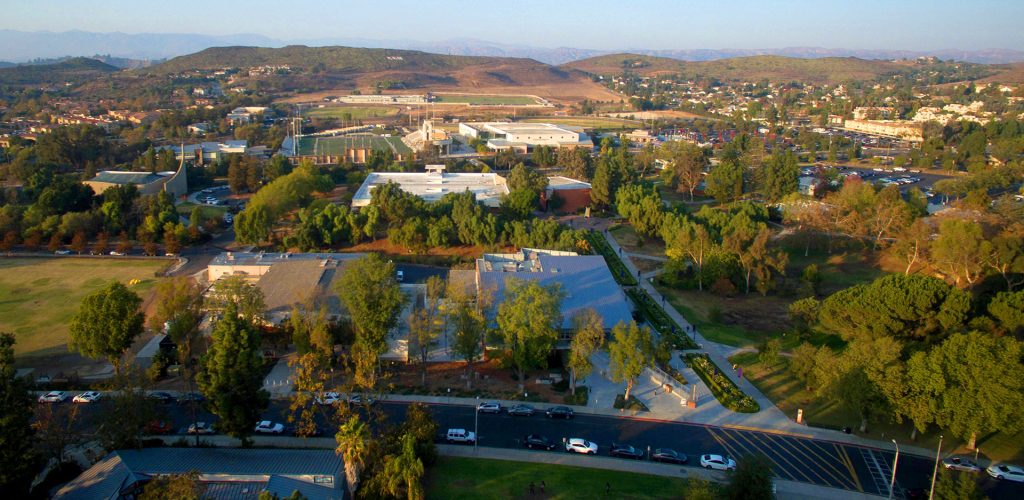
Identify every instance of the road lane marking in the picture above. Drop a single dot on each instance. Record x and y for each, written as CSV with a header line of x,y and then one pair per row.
x,y
822,464
849,464
758,449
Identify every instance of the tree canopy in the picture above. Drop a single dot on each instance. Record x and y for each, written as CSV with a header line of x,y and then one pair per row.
x,y
107,323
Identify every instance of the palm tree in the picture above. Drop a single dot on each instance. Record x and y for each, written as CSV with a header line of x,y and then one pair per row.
x,y
353,439
405,472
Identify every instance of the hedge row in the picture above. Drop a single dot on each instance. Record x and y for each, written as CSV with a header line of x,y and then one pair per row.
x,y
724,389
619,270
653,313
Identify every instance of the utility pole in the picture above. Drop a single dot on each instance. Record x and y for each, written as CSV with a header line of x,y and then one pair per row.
x,y
895,463
935,472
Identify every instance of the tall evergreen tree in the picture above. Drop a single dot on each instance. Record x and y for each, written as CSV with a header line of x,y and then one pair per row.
x,y
16,443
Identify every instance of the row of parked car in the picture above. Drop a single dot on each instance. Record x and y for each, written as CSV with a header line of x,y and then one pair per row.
x,y
525,410
997,470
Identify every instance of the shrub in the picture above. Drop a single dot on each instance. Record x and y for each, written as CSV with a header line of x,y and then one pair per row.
x,y
724,390
632,404
652,312
619,270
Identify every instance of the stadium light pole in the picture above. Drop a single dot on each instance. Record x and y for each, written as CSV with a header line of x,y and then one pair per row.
x,y
895,463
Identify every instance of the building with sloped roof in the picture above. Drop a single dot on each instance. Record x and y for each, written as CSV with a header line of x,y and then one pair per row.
x,y
172,181
585,279
228,473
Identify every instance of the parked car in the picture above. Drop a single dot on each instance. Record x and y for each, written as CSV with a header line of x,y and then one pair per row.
x,y
87,397
625,451
116,253
159,427
717,462
399,276
268,427
62,252
668,456
189,397
1006,471
961,464
327,398
538,442
53,397
357,399
161,397
460,436
580,445
522,411
200,428
559,412
488,407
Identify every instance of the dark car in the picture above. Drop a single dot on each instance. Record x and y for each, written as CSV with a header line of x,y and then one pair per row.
x,y
559,412
161,397
521,411
625,451
538,442
191,396
668,456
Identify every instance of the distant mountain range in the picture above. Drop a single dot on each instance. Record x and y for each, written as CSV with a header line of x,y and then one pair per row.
x,y
22,46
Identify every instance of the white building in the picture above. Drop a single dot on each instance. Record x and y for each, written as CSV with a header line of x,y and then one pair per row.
x,y
206,152
433,184
523,137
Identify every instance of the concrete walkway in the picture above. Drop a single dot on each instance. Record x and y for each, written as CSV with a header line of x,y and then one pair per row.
x,y
769,419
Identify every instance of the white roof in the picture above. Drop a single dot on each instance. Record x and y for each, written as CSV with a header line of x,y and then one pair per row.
x,y
432,186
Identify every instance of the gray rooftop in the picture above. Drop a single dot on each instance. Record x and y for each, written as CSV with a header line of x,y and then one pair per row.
x,y
270,258
585,279
295,282
120,177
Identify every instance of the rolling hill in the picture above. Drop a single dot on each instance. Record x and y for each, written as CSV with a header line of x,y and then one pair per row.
x,y
317,69
773,68
73,70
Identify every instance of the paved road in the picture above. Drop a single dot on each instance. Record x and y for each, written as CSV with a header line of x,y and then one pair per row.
x,y
820,462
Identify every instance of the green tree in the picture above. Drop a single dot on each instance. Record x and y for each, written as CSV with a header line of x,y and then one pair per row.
x,y
519,204
642,206
686,239
587,338
403,474
955,485
983,380
468,327
523,177
373,299
725,181
630,351
802,363
232,375
769,352
421,337
687,163
856,377
780,176
603,186
752,479
245,297
107,322
914,307
544,156
174,487
16,442
354,441
528,321
1007,308
959,251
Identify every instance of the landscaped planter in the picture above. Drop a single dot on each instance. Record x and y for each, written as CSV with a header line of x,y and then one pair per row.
x,y
724,390
619,270
652,312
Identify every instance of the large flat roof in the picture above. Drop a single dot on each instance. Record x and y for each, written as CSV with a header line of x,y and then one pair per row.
x,y
432,186
137,178
585,279
270,258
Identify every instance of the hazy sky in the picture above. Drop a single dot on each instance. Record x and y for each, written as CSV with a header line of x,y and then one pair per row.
x,y
595,24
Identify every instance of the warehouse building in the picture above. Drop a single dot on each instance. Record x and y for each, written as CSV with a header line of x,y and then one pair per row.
x,y
522,137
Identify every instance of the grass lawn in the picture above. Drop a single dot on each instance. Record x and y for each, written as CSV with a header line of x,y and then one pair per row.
x,y
351,112
494,100
790,395
209,211
587,122
631,242
38,297
466,478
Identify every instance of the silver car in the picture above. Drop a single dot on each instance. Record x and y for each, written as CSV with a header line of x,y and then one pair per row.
x,y
961,464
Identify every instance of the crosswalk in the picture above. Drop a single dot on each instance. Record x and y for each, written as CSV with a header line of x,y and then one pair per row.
x,y
880,468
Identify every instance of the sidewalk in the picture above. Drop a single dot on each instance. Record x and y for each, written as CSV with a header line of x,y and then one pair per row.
x,y
769,419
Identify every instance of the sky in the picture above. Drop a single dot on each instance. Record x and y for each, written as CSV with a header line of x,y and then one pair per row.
x,y
591,24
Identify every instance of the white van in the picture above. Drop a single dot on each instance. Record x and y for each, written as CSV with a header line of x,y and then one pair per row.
x,y
460,436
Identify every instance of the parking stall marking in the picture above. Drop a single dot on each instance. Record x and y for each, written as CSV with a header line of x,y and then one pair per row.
x,y
826,466
845,456
772,455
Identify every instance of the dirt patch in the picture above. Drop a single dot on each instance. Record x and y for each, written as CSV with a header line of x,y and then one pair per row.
x,y
490,381
645,265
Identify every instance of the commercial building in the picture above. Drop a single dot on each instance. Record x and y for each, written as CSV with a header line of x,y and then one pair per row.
x,y
433,184
355,148
573,195
172,181
249,114
522,137
226,473
897,129
585,280
207,152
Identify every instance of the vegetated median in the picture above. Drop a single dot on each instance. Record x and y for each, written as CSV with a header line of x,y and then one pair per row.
x,y
619,270
654,314
470,478
724,390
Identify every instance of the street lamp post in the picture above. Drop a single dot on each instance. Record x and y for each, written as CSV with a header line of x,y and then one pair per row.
x,y
895,463
935,472
476,427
